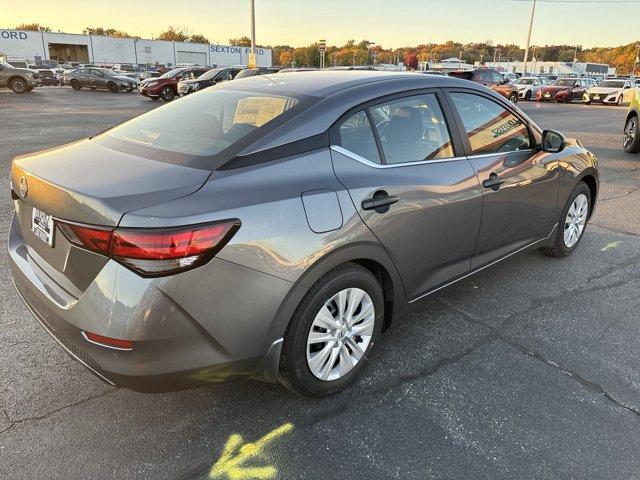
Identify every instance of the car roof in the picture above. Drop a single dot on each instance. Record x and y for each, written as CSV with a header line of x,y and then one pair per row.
x,y
330,82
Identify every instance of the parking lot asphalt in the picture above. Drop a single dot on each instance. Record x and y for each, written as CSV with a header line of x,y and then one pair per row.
x,y
529,369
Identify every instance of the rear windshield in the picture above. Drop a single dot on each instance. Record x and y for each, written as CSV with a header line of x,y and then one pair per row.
x,y
202,124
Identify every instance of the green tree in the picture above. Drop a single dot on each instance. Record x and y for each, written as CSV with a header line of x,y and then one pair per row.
x,y
240,42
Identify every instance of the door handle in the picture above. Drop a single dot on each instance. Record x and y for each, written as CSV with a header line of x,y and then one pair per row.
x,y
380,202
493,182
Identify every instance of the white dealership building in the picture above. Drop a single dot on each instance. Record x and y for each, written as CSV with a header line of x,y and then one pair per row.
x,y
96,49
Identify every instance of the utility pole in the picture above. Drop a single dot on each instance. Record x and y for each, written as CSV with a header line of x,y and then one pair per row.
x,y
252,59
460,60
526,50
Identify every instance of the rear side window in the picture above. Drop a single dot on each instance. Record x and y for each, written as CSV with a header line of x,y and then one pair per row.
x,y
203,124
491,128
356,136
413,129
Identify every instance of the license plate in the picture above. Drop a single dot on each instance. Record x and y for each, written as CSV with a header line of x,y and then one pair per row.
x,y
547,95
42,226
596,97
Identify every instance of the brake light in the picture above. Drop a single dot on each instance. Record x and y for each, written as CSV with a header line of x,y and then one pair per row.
x,y
151,252
95,239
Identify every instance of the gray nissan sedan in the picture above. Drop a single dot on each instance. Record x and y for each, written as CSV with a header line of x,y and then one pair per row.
x,y
273,227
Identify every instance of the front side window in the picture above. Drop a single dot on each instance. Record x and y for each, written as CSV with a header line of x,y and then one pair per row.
x,y
356,136
203,124
491,128
413,129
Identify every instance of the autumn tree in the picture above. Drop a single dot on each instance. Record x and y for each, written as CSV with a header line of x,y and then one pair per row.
x,y
33,27
411,60
175,34
197,38
240,42
107,32
285,58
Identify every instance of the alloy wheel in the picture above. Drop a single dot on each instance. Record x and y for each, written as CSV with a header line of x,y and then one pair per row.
x,y
18,86
576,220
630,132
340,334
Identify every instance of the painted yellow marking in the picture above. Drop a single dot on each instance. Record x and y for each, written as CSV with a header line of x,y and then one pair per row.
x,y
610,246
231,464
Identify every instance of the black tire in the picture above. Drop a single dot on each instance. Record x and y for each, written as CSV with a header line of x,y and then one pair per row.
x,y
167,94
113,88
631,141
568,98
527,96
513,98
559,249
295,373
75,84
18,85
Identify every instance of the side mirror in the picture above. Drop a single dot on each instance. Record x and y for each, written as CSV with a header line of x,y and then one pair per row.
x,y
552,141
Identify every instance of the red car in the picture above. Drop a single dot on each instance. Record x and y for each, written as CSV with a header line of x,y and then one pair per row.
x,y
165,85
564,90
492,79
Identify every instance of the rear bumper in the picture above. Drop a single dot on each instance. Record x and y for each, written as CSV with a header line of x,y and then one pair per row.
x,y
173,348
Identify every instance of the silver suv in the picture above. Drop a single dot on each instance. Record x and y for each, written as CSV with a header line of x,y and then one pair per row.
x,y
20,80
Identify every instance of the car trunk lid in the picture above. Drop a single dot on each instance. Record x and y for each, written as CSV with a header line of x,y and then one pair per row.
x,y
89,184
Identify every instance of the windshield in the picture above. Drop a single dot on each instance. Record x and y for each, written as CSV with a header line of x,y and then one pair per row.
x,y
524,81
210,74
171,73
203,124
6,65
567,82
611,84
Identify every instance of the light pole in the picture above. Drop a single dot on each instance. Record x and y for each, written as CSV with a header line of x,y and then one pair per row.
x,y
252,6
460,60
526,50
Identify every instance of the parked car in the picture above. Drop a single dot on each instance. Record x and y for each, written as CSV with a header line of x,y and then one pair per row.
x,y
48,77
528,87
20,80
612,92
165,85
631,139
490,78
252,72
510,76
94,78
265,228
208,79
563,90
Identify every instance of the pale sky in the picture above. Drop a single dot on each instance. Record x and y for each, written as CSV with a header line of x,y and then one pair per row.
x,y
391,23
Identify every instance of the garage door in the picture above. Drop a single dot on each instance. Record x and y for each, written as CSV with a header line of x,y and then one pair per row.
x,y
199,58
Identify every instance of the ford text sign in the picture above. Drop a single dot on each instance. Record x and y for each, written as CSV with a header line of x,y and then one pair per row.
x,y
10,34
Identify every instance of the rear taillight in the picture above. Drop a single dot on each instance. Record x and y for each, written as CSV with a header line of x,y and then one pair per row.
x,y
151,252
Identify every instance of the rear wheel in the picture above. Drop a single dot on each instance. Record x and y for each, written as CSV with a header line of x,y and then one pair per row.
x,y
572,223
513,98
332,332
113,88
631,140
167,94
75,84
18,85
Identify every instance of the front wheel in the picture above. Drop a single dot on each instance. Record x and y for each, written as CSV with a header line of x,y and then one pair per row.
x,y
18,85
572,223
527,96
631,139
513,98
167,94
113,88
75,84
332,332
